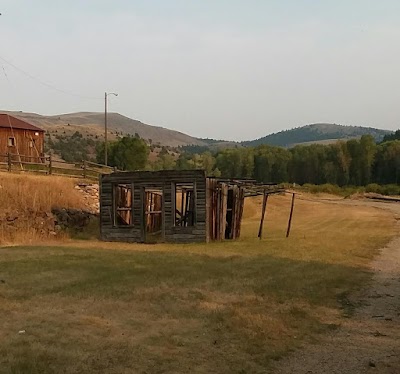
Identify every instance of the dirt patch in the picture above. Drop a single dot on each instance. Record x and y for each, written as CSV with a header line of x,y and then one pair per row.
x,y
369,340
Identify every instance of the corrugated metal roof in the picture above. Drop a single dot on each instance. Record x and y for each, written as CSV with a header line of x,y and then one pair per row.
x,y
16,123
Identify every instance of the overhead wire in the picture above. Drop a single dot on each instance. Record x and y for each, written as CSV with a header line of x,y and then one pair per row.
x,y
45,83
5,73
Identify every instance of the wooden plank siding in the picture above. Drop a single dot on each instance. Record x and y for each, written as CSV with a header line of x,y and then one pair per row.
x,y
28,144
217,212
165,182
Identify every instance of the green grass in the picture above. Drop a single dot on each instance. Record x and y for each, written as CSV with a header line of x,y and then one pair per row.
x,y
229,307
211,299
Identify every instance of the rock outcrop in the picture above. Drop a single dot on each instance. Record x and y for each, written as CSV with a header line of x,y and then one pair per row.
x,y
75,219
42,222
90,193
24,221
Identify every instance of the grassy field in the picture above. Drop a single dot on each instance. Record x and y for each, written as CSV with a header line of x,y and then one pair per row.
x,y
38,193
232,307
25,195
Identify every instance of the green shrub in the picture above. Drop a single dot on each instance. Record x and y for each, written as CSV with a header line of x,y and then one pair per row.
x,y
374,187
391,189
332,189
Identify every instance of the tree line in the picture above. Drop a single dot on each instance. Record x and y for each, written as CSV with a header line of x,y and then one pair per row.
x,y
357,162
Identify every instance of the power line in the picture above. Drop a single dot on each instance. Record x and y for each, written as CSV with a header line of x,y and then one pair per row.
x,y
5,73
47,84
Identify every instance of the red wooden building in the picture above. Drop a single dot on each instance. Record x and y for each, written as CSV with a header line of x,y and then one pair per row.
x,y
24,141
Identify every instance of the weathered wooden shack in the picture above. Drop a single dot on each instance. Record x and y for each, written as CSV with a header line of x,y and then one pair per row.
x,y
169,206
22,140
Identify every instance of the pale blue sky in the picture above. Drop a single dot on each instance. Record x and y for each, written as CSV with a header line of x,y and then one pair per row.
x,y
211,68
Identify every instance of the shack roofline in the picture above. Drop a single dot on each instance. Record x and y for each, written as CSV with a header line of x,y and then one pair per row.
x,y
154,174
238,181
250,185
10,122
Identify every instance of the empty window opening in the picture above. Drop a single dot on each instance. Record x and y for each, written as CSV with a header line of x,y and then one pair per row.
x,y
185,205
153,211
123,194
11,141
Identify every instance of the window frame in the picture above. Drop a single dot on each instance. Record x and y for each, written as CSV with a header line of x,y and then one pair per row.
x,y
117,209
174,204
12,139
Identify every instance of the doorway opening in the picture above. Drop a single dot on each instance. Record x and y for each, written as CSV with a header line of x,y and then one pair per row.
x,y
153,215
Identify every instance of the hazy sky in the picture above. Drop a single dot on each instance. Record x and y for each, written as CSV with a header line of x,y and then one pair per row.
x,y
231,69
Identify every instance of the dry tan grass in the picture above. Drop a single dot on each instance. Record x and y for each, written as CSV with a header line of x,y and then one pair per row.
x,y
324,230
26,196
345,232
25,234
39,193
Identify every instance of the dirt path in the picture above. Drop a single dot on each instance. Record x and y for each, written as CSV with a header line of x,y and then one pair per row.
x,y
369,342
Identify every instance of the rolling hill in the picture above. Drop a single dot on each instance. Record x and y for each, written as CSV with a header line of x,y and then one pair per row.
x,y
317,133
92,124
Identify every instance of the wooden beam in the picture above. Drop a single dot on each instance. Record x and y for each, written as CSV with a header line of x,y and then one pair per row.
x,y
241,196
264,208
234,210
290,216
224,203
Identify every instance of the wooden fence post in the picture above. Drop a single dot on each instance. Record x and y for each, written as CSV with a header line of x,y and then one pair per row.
x,y
50,165
264,207
9,161
290,217
84,169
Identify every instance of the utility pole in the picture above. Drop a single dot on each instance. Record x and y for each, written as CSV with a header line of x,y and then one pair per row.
x,y
105,126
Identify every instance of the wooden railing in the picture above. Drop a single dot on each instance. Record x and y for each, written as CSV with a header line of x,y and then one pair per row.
x,y
48,165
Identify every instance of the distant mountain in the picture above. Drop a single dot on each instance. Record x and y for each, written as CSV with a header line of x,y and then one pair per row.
x,y
92,124
317,133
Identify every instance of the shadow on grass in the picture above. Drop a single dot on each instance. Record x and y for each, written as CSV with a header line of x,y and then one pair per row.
x,y
90,232
84,273
220,314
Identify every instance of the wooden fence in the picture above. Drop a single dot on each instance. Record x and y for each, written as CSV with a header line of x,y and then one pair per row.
x,y
48,165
